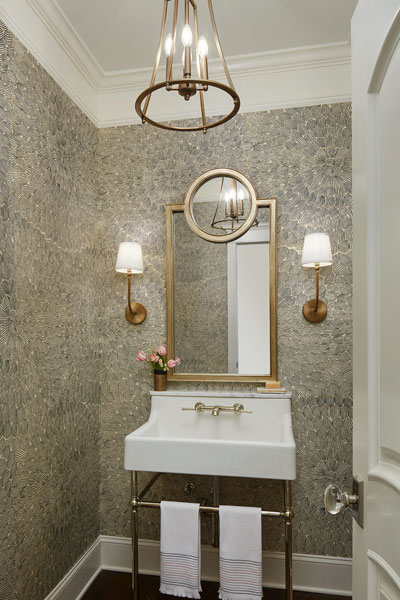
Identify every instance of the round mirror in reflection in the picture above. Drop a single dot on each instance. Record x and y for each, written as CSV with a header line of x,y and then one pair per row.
x,y
221,205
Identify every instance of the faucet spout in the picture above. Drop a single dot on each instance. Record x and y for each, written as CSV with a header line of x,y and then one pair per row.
x,y
215,411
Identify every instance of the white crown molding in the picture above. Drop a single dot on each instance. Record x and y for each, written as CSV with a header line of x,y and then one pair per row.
x,y
311,573
278,88
268,80
244,108
258,64
69,40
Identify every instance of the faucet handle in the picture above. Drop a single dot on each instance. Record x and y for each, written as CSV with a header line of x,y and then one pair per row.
x,y
239,408
198,407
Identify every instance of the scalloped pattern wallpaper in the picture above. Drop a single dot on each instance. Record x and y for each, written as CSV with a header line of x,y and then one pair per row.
x,y
8,430
49,351
70,387
303,157
201,298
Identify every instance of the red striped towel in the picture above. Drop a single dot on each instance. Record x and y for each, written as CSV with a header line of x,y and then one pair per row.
x,y
240,569
180,549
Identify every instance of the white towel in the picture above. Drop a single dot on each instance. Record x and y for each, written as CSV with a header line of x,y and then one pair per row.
x,y
180,549
240,553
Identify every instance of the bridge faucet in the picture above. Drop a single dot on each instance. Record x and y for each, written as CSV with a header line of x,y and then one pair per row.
x,y
237,408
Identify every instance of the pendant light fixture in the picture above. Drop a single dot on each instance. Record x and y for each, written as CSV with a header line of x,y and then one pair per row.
x,y
229,210
194,80
232,207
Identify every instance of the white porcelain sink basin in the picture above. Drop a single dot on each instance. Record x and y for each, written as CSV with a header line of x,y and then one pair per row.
x,y
259,444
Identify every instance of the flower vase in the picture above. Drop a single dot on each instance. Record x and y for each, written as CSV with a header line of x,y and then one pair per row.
x,y
160,381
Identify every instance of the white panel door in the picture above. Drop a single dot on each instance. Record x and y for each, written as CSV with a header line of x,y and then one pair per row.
x,y
376,190
252,300
248,303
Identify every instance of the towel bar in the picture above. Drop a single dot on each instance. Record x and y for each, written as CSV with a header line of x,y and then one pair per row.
x,y
136,502
211,509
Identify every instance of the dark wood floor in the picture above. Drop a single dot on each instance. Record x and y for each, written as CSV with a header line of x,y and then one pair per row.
x,y
111,585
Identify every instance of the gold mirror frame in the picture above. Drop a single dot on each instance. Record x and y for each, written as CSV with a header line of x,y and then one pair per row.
x,y
197,183
271,380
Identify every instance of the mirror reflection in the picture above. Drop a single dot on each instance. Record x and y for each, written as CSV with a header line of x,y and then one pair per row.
x,y
221,205
221,314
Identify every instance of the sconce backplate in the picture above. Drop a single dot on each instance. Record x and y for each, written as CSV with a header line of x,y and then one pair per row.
x,y
312,315
137,314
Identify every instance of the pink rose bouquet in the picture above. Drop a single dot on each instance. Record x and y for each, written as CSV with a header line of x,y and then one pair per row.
x,y
158,359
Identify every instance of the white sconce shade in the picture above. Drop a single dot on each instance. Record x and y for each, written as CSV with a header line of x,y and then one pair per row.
x,y
316,249
129,258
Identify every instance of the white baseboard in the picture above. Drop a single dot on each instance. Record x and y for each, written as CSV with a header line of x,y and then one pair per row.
x,y
78,579
311,573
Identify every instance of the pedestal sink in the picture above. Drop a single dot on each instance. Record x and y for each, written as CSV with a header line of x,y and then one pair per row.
x,y
255,444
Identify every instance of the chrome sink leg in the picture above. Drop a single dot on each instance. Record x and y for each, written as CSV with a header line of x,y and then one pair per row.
x,y
135,538
288,539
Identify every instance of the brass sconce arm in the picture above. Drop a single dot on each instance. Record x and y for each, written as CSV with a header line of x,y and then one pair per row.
x,y
315,310
130,262
316,253
135,312
316,285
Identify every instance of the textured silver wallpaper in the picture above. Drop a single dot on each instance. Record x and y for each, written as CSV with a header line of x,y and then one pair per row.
x,y
49,346
201,299
303,157
70,387
8,429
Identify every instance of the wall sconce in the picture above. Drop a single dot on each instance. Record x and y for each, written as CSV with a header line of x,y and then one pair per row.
x,y
316,253
130,261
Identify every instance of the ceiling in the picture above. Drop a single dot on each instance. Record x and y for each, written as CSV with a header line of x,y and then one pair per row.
x,y
280,53
123,34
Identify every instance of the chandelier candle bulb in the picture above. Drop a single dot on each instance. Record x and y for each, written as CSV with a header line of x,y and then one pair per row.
x,y
187,37
234,200
203,53
168,47
234,209
227,204
203,47
187,40
240,199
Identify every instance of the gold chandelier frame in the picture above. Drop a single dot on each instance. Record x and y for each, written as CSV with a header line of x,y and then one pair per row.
x,y
227,223
199,84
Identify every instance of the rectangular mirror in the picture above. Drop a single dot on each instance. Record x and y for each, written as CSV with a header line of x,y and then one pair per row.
x,y
221,301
